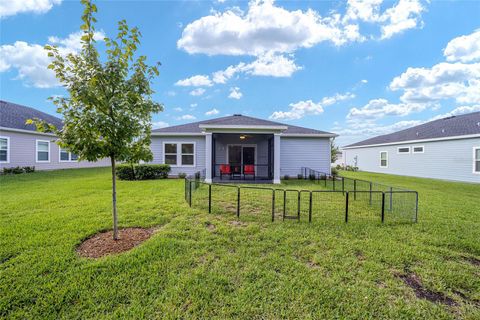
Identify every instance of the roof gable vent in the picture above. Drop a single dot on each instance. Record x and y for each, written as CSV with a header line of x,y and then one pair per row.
x,y
443,130
237,115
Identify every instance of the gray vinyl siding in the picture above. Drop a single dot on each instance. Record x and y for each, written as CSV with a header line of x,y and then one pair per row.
x,y
296,153
157,150
447,160
23,153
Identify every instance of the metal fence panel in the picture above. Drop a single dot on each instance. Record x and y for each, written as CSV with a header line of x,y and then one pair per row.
x,y
328,205
256,203
365,206
224,199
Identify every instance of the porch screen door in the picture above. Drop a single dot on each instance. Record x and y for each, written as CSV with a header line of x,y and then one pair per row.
x,y
248,155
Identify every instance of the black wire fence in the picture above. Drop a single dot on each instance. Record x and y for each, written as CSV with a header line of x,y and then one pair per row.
x,y
341,199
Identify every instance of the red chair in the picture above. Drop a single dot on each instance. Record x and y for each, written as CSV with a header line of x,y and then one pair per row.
x,y
249,169
225,170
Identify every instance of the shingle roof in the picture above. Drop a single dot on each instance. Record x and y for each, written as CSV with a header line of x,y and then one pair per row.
x,y
242,120
461,125
13,116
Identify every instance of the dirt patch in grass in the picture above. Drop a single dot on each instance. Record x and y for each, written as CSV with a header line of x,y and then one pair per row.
x,y
237,223
102,244
472,260
414,282
210,226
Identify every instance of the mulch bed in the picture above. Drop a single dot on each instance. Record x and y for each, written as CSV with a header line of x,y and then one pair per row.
x,y
102,244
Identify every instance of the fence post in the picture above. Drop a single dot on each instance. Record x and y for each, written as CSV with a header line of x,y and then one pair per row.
x,y
190,193
210,198
238,202
383,207
354,189
334,178
416,207
343,185
298,206
391,198
273,205
284,203
370,193
310,208
346,208
325,180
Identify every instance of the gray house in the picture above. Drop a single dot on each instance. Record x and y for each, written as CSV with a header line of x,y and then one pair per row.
x,y
21,145
447,149
241,147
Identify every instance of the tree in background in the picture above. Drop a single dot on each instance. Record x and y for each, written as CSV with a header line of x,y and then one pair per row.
x,y
333,151
107,112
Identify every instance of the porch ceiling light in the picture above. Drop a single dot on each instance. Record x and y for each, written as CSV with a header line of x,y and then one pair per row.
x,y
242,137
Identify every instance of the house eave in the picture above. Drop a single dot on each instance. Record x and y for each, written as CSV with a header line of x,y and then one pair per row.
x,y
310,135
468,136
238,127
170,134
27,131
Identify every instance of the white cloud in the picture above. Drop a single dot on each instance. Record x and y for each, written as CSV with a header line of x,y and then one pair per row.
x,y
379,108
13,7
159,124
302,108
171,93
197,92
187,117
457,111
364,81
464,48
31,60
457,81
212,112
235,93
178,109
266,27
193,105
195,81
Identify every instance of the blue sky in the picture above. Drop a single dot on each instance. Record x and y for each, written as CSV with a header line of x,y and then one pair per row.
x,y
358,69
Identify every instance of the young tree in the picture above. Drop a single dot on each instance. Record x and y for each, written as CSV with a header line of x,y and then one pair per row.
x,y
333,151
107,112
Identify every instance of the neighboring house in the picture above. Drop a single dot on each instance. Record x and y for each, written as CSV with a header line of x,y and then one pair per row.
x,y
273,149
21,145
340,161
447,149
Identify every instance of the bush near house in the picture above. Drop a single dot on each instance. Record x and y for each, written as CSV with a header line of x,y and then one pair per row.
x,y
142,171
18,170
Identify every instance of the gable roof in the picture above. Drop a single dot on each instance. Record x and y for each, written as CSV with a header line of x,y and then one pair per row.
x,y
238,120
454,126
14,116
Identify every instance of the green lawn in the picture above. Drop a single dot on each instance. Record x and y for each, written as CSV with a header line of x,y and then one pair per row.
x,y
255,269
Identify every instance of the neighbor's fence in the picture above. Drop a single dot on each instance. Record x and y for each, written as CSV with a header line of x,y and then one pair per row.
x,y
274,203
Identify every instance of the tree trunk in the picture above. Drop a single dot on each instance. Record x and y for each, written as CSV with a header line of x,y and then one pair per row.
x,y
114,199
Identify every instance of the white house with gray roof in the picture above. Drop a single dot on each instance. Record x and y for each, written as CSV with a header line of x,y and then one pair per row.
x,y
21,145
224,148
446,149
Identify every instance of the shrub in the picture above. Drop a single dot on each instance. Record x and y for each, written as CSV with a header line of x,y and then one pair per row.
x,y
311,176
142,171
182,175
286,177
300,176
18,170
334,171
198,175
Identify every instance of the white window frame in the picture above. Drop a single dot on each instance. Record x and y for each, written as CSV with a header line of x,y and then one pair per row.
x,y
398,150
36,152
8,149
69,155
179,154
380,163
413,149
475,160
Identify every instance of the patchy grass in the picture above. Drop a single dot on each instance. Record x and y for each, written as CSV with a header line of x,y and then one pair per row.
x,y
201,265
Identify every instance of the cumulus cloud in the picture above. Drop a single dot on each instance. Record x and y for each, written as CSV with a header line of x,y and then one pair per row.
x,y
458,111
302,108
187,117
464,48
235,93
159,124
197,92
379,108
31,60
178,109
212,112
195,81
13,7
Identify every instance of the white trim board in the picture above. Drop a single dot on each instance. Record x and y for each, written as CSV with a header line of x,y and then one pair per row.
x,y
36,152
26,131
468,136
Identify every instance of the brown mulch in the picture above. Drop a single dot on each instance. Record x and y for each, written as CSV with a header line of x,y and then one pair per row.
x,y
102,244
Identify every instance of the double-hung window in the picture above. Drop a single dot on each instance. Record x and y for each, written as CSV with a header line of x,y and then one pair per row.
x,y
67,156
383,159
4,150
179,153
43,151
476,160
